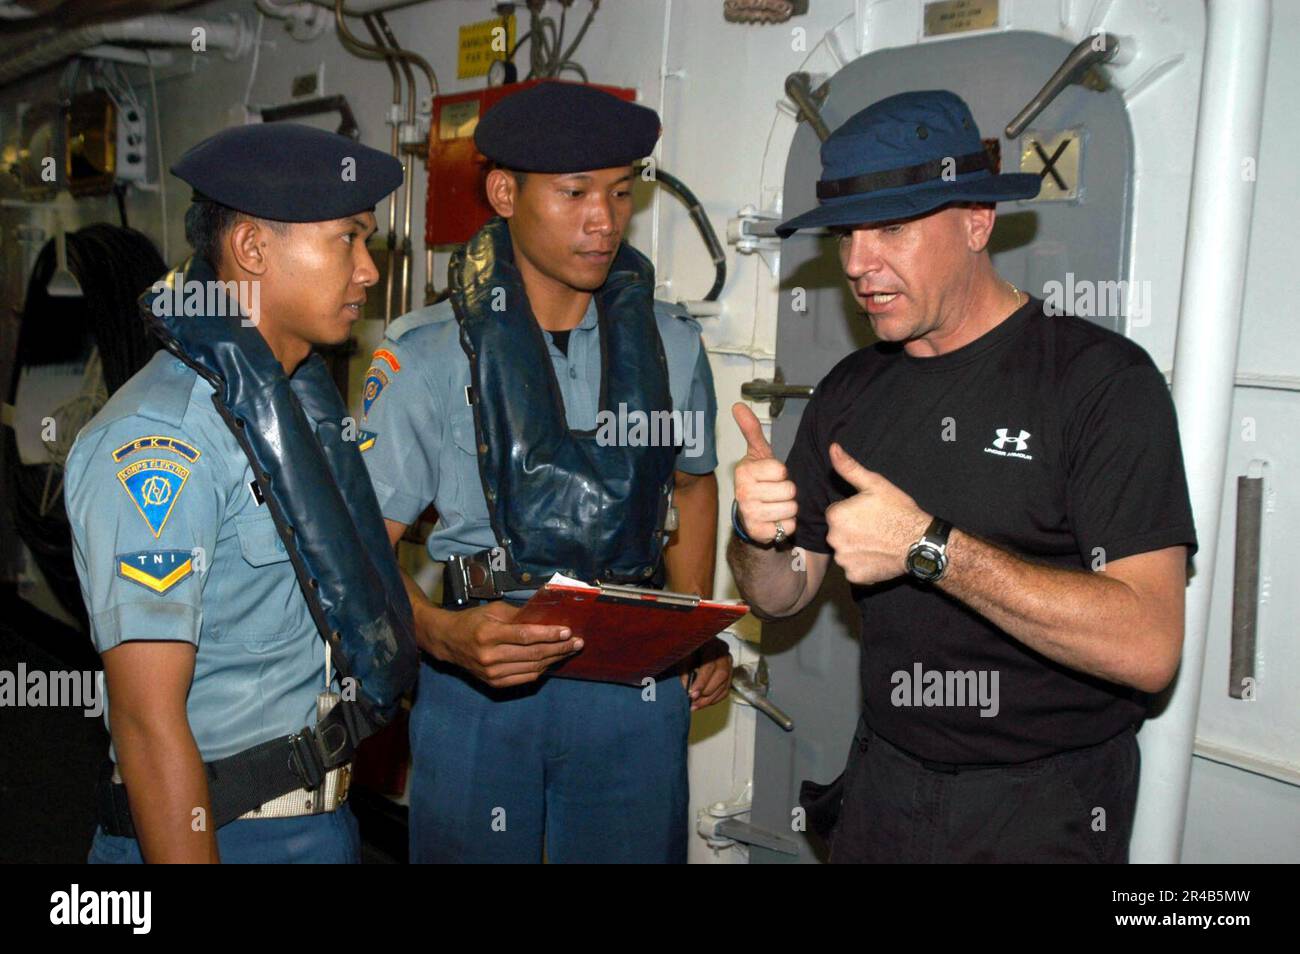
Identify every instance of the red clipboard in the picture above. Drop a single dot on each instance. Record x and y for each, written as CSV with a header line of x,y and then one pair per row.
x,y
629,634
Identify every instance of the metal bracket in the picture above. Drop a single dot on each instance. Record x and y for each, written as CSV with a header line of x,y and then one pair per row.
x,y
754,230
722,827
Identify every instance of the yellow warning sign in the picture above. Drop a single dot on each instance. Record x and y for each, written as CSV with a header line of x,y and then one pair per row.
x,y
483,42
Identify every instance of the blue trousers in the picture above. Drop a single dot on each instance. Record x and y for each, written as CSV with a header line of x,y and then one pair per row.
x,y
330,838
583,771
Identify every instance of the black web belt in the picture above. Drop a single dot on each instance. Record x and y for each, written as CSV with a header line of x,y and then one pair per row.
x,y
246,780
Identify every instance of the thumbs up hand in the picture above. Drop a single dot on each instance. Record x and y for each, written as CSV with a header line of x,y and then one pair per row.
x,y
765,496
871,531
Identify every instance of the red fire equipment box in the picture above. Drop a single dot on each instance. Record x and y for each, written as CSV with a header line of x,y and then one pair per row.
x,y
456,208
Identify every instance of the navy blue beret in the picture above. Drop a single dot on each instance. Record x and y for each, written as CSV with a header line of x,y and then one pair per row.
x,y
565,127
289,172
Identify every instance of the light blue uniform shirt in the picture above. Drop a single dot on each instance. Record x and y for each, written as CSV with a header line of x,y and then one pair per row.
x,y
170,544
418,441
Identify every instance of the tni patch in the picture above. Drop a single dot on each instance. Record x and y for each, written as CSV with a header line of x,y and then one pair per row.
x,y
153,486
155,570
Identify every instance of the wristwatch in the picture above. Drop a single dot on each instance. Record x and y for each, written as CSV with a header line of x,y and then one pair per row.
x,y
927,558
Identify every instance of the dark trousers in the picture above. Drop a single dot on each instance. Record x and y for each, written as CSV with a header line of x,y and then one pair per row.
x,y
1072,807
579,771
326,839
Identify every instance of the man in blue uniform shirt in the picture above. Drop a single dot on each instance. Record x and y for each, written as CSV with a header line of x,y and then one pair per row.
x,y
509,764
209,645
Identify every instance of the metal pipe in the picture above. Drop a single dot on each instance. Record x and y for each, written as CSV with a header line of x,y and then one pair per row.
x,y
22,57
373,52
394,148
407,164
1205,355
355,8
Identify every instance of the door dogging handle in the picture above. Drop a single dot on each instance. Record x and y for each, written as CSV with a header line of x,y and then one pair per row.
x,y
1089,52
750,683
776,391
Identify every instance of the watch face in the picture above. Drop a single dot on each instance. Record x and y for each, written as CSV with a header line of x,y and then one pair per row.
x,y
925,562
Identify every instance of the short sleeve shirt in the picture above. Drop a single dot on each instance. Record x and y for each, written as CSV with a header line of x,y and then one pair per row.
x,y
1049,437
170,543
418,437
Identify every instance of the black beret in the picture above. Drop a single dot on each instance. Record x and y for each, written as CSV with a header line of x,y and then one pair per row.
x,y
565,127
288,172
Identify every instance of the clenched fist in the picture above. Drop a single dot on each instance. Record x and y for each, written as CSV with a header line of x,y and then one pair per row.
x,y
765,496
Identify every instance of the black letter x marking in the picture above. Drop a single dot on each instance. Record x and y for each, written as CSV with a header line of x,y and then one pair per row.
x,y
1050,164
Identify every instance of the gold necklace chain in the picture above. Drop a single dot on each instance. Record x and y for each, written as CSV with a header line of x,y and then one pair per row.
x,y
1017,293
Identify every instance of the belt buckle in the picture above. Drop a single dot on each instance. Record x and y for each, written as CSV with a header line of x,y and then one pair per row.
x,y
345,783
470,577
305,759
481,580
456,580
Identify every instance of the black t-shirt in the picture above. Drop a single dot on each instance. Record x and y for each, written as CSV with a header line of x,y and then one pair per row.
x,y
1049,437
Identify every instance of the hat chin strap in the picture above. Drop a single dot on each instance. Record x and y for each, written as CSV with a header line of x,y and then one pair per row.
x,y
907,175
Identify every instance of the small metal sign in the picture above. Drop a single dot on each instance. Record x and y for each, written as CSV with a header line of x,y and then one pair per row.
x,y
1055,158
958,16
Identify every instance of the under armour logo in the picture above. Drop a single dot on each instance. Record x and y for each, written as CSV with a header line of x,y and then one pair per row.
x,y
1003,438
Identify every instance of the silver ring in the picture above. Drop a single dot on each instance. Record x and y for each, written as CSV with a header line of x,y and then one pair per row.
x,y
780,533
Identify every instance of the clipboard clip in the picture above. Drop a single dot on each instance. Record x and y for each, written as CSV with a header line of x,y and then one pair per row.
x,y
618,593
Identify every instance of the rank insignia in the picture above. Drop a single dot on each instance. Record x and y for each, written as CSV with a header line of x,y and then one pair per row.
x,y
155,570
158,442
375,382
365,440
153,485
383,354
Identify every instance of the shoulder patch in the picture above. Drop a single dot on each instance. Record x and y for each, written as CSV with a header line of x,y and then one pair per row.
x,y
365,440
158,442
154,484
383,354
376,381
156,570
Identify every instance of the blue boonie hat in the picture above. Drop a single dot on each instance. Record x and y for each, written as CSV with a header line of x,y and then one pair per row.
x,y
288,172
889,161
566,127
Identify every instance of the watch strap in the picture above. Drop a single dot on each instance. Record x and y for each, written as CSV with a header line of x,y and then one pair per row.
x,y
937,533
736,525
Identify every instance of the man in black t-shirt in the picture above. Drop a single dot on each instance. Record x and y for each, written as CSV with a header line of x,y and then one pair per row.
x,y
1005,492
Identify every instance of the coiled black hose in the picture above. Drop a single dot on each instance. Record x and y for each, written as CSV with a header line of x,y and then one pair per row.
x,y
114,266
678,188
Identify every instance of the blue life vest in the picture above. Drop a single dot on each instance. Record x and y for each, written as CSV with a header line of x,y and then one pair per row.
x,y
558,500
315,486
